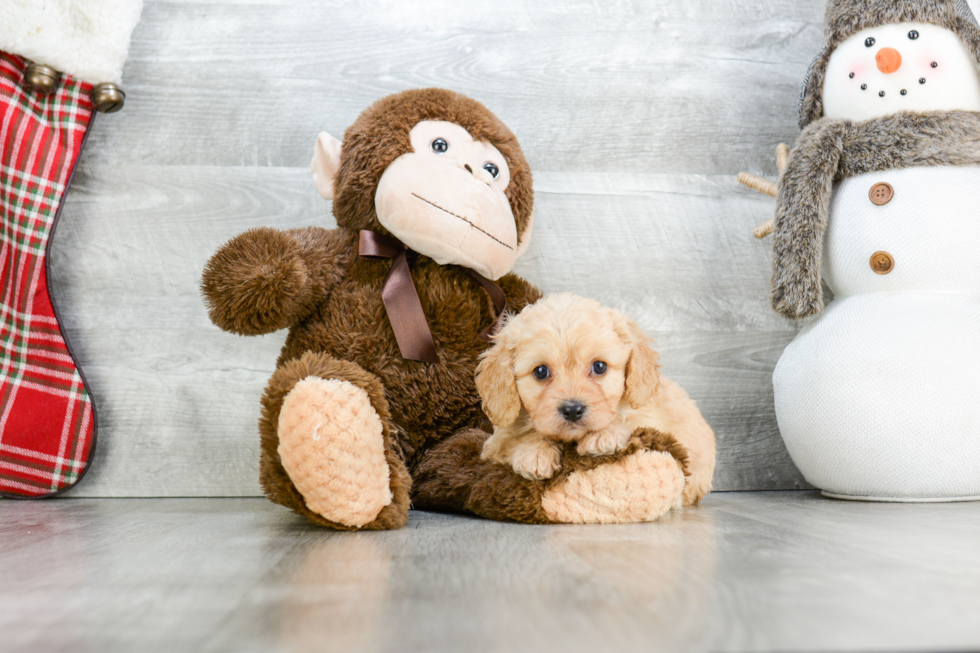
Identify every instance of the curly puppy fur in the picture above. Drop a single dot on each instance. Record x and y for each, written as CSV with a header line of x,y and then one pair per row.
x,y
567,335
829,151
847,17
312,282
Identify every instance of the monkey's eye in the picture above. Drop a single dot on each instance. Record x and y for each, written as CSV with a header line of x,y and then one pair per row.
x,y
868,42
440,146
492,169
599,368
541,372
913,35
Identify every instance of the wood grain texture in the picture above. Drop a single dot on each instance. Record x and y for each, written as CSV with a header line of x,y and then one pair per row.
x,y
635,117
780,571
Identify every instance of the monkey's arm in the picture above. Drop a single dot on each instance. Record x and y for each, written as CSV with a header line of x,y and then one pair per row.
x,y
802,211
519,292
265,279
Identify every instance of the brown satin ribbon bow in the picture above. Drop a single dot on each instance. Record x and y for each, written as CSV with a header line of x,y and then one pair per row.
x,y
401,299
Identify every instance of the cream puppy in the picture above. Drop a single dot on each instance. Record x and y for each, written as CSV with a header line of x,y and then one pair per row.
x,y
566,370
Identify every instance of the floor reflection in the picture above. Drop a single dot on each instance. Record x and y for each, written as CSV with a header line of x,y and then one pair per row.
x,y
336,596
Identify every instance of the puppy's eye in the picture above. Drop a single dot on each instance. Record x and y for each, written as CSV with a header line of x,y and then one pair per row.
x,y
599,368
492,169
541,372
868,42
440,146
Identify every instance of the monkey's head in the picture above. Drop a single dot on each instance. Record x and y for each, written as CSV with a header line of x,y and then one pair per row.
x,y
436,170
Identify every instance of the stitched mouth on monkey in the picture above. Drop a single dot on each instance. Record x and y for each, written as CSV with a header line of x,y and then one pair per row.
x,y
448,206
467,221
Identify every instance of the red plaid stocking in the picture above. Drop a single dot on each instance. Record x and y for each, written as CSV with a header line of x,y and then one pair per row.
x,y
47,422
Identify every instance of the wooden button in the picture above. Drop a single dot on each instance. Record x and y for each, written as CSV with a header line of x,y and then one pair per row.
x,y
881,194
882,262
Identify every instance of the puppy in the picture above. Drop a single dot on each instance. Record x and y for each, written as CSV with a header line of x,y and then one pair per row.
x,y
566,370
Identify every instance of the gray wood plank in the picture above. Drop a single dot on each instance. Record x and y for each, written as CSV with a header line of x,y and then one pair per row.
x,y
635,117
783,571
178,399
693,87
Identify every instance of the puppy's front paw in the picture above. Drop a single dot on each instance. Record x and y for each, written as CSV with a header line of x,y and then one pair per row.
x,y
536,461
605,442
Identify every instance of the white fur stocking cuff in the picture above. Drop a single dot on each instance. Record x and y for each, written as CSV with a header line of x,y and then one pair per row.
x,y
88,40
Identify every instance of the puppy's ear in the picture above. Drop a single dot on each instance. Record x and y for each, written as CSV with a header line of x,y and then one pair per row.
x,y
643,367
497,385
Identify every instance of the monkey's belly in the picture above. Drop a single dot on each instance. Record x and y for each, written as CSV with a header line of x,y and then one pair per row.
x,y
880,397
432,399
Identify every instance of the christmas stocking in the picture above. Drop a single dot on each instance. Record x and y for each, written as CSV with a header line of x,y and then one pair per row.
x,y
47,418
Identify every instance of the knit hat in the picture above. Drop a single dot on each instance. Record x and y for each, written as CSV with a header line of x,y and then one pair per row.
x,y
847,17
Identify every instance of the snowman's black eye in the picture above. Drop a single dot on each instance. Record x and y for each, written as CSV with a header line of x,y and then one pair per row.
x,y
913,35
492,169
440,146
541,372
599,368
868,42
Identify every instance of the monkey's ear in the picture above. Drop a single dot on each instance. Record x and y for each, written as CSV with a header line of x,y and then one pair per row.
x,y
326,164
497,385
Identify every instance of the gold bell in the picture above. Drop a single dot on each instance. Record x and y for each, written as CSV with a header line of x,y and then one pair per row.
x,y
41,78
107,98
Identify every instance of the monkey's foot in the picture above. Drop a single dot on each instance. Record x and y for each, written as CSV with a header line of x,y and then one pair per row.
x,y
638,488
331,443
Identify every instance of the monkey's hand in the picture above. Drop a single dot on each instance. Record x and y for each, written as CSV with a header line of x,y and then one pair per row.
x,y
258,282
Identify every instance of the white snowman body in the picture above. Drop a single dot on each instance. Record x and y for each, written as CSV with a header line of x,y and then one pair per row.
x,y
879,397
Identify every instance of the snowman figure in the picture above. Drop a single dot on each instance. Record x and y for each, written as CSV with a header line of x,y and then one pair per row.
x,y
879,397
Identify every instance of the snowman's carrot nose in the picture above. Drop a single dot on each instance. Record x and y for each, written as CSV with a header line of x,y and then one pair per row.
x,y
889,60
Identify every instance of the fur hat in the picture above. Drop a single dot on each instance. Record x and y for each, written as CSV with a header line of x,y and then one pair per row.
x,y
847,17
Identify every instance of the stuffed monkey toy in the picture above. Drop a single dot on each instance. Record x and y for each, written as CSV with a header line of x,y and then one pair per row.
x,y
373,403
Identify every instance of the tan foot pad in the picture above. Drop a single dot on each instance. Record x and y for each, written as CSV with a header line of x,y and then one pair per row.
x,y
331,444
639,488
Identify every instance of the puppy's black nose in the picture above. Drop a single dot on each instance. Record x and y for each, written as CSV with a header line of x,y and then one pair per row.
x,y
572,411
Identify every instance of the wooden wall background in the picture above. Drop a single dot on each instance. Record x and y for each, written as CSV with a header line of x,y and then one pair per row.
x,y
635,116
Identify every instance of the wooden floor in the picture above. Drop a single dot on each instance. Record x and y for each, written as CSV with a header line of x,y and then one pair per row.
x,y
784,571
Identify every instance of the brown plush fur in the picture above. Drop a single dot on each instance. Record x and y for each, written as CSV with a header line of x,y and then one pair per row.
x,y
832,150
847,17
452,477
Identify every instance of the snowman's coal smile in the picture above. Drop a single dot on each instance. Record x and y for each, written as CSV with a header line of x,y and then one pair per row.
x,y
922,80
904,91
